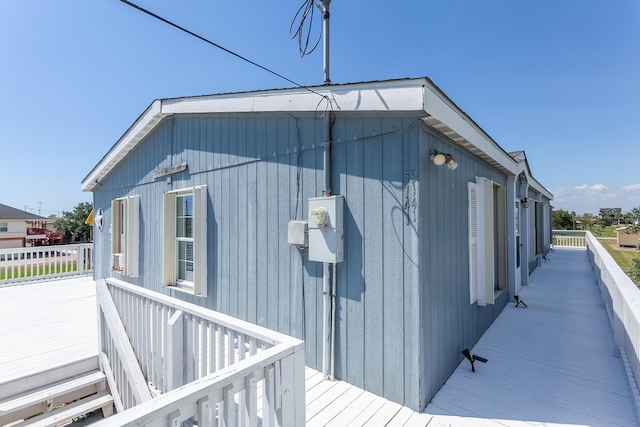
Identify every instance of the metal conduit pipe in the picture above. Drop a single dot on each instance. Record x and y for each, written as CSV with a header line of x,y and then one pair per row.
x,y
328,269
328,279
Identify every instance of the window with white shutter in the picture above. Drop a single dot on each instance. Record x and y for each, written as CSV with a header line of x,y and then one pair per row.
x,y
473,242
481,242
125,235
185,240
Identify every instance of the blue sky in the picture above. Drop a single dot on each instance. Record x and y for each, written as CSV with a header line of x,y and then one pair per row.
x,y
559,79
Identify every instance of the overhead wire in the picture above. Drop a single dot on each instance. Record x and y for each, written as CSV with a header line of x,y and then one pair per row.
x,y
191,33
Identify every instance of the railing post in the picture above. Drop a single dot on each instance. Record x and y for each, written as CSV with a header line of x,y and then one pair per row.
x,y
617,301
205,418
249,415
268,398
292,412
228,407
174,350
79,260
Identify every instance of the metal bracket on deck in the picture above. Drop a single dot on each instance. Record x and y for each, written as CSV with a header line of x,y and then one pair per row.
x,y
519,301
473,358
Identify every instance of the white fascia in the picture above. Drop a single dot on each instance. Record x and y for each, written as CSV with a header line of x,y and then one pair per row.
x,y
127,142
403,95
446,117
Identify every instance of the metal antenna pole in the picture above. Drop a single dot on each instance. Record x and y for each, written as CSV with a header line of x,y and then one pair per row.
x,y
325,17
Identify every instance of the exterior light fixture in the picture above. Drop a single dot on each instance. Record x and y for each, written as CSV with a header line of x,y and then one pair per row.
x,y
437,158
524,202
440,159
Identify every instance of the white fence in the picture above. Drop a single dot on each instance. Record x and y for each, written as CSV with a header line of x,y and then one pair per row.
x,y
621,297
200,365
569,239
43,262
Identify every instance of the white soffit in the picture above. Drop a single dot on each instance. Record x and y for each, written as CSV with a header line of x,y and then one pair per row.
x,y
448,119
403,95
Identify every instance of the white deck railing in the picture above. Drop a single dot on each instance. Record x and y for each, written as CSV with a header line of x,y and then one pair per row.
x,y
569,239
200,364
621,298
45,262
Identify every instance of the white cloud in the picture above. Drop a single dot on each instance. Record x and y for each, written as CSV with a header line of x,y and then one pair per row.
x,y
591,198
597,187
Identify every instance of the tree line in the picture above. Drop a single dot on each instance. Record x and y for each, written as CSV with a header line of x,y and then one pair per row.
x,y
565,220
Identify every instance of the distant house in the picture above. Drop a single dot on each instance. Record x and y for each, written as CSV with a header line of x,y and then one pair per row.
x,y
19,228
610,213
428,228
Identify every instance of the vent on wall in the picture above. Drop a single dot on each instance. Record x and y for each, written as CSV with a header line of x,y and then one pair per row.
x,y
118,262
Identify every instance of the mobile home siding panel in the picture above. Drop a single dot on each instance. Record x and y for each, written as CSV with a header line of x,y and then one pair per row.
x,y
250,164
449,322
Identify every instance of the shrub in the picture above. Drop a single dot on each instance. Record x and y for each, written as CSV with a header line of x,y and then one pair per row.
x,y
634,272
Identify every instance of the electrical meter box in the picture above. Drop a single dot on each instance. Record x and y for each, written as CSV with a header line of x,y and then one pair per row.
x,y
326,229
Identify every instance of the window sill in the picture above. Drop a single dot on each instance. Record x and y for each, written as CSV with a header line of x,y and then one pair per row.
x,y
184,290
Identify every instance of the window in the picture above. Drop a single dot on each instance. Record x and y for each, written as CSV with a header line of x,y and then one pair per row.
x,y
125,235
4,227
185,240
487,240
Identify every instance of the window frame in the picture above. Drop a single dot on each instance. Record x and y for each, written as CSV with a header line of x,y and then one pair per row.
x,y
125,235
487,240
170,261
4,225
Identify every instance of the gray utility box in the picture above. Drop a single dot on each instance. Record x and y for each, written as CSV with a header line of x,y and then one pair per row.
x,y
326,229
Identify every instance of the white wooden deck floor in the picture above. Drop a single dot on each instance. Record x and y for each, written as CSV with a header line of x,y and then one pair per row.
x,y
549,364
44,325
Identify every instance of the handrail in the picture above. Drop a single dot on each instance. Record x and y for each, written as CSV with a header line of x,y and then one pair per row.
x,y
234,389
621,298
44,262
569,239
181,346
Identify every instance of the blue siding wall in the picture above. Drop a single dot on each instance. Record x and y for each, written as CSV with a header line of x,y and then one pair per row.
x,y
377,341
259,171
403,311
449,323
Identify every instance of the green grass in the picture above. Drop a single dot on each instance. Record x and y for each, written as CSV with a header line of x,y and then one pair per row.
x,y
623,257
610,231
21,272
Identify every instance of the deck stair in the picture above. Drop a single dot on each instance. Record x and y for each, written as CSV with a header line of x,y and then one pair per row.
x,y
58,396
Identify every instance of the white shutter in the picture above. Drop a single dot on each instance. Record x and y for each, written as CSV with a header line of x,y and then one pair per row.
x,y
115,221
473,242
489,245
200,240
132,250
481,249
168,240
115,226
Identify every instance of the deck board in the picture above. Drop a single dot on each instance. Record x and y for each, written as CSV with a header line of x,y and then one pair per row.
x,y
46,324
551,363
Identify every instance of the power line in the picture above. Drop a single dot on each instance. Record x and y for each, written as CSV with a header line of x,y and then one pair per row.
x,y
191,33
